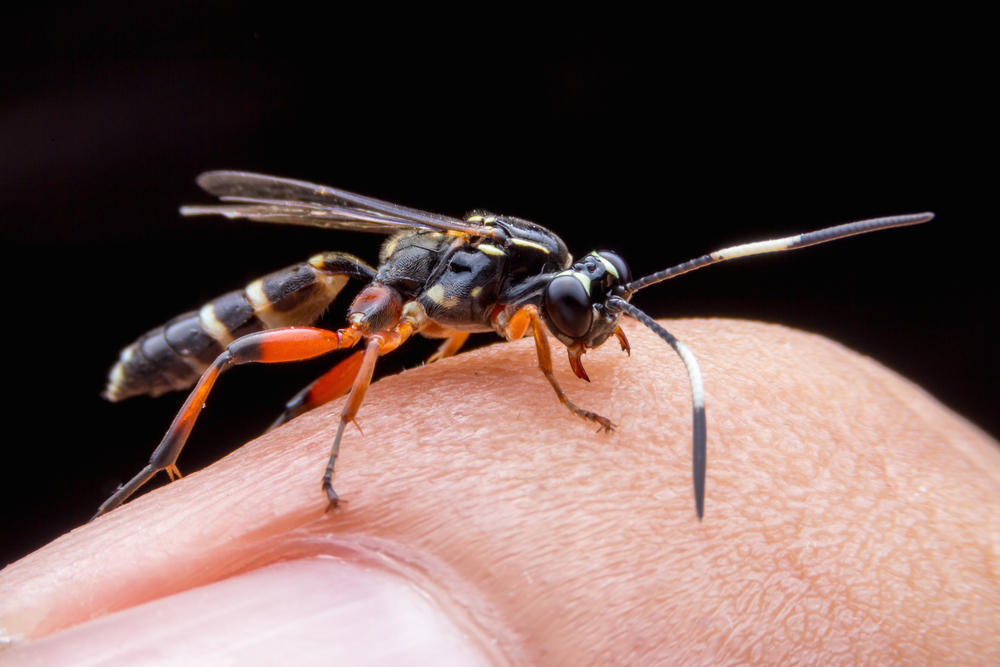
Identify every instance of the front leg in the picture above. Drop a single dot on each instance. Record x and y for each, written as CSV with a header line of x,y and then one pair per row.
x,y
516,328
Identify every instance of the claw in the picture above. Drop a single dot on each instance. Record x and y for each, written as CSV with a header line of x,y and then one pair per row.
x,y
605,425
333,499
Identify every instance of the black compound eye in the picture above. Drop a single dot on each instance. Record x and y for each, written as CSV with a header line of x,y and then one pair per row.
x,y
624,275
568,306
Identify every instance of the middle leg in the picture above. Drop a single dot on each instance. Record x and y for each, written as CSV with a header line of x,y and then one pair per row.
x,y
450,346
378,344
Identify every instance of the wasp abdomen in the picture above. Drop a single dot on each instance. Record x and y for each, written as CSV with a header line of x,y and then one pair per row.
x,y
174,356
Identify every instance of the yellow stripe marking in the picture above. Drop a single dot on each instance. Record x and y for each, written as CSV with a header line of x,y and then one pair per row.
x,y
256,296
213,327
608,266
390,246
490,250
117,378
327,287
582,277
530,244
436,294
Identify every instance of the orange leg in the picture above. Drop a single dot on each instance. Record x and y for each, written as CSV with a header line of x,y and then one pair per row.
x,y
330,386
273,346
378,344
450,346
518,324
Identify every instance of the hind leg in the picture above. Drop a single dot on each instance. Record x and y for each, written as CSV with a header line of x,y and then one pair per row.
x,y
273,346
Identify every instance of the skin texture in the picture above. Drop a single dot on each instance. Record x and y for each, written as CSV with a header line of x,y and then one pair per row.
x,y
850,518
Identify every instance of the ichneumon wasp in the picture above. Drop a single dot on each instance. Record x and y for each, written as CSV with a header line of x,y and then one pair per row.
x,y
438,276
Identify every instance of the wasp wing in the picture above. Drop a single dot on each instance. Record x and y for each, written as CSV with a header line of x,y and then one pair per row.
x,y
298,213
285,200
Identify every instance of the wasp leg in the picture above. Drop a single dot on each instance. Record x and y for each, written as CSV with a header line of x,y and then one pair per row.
x,y
330,386
378,344
450,346
518,323
274,346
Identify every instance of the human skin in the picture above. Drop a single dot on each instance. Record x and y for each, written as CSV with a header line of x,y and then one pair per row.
x,y
850,518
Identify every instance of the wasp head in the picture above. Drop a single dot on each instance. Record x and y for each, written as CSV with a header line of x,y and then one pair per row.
x,y
576,300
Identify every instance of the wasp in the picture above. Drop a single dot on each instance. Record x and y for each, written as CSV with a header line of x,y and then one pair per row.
x,y
439,276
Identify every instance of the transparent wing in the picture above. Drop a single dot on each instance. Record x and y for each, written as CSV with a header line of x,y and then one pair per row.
x,y
284,200
297,213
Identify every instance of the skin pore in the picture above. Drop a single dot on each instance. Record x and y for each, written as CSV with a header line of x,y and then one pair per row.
x,y
850,518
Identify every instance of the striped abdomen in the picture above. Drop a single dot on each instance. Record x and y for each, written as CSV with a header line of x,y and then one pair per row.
x,y
175,355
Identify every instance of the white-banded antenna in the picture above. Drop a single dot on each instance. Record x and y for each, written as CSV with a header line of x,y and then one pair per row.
x,y
778,245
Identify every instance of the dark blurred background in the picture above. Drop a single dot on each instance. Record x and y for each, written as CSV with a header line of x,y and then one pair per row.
x,y
661,140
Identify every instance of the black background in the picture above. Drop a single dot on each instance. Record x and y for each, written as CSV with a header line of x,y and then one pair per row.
x,y
661,139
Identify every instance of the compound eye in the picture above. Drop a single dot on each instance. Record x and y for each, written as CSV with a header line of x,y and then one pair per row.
x,y
624,275
568,306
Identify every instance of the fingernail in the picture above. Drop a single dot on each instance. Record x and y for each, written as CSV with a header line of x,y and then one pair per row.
x,y
303,612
